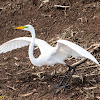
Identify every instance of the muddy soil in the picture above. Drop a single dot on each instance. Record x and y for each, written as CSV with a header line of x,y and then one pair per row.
x,y
78,22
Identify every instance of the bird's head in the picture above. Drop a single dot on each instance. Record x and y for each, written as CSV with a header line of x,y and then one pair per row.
x,y
26,27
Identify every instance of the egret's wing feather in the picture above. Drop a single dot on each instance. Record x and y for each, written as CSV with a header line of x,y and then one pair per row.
x,y
66,48
43,46
22,42
15,43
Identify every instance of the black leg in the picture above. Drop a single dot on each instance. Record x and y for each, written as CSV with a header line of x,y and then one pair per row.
x,y
69,78
69,69
66,84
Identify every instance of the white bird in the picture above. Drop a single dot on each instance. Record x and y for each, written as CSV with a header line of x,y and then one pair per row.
x,y
49,55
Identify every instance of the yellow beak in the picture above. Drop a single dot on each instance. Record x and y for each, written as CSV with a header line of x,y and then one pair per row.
x,y
20,27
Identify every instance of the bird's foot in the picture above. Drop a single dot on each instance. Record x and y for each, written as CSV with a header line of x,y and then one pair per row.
x,y
66,84
61,89
60,84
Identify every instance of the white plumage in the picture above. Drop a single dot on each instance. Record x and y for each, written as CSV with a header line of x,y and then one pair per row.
x,y
49,55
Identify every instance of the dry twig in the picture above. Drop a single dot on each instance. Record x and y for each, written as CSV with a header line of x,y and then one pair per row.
x,y
28,94
11,87
64,7
60,6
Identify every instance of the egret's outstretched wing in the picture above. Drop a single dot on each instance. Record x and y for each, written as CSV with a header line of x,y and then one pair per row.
x,y
22,42
66,48
15,43
43,46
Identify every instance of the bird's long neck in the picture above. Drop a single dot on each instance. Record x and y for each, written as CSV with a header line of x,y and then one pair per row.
x,y
33,60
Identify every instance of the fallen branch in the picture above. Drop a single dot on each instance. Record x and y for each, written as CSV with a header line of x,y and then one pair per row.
x,y
43,2
11,87
64,7
60,6
87,67
27,94
1,9
87,75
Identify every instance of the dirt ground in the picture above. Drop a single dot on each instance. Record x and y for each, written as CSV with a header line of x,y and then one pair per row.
x,y
79,22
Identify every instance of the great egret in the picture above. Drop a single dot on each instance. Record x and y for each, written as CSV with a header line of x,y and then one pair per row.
x,y
49,55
